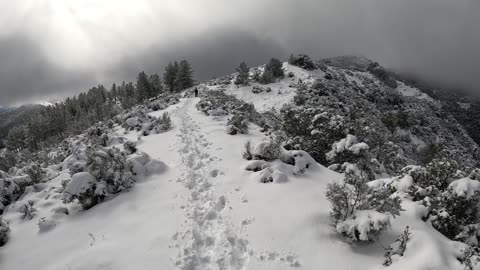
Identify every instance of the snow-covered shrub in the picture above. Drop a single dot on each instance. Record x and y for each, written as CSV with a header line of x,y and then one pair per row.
x,y
450,211
267,150
359,212
312,130
85,188
438,173
27,210
398,247
303,61
237,124
246,151
108,172
470,258
4,230
35,171
130,147
364,225
348,149
143,165
257,165
163,123
98,134
110,165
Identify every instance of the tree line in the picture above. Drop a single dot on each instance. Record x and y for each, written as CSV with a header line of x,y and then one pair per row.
x,y
75,114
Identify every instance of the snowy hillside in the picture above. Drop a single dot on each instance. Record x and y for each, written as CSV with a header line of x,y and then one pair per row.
x,y
215,183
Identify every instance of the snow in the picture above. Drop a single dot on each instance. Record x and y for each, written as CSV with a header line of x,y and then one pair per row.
x,y
409,91
282,93
206,211
363,223
465,187
80,183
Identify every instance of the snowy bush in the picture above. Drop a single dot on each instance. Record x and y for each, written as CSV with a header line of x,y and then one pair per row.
x,y
110,165
303,61
267,150
163,123
27,210
438,173
450,212
98,134
4,230
237,124
358,211
143,165
246,151
312,130
85,188
348,149
130,147
35,171
108,173
397,248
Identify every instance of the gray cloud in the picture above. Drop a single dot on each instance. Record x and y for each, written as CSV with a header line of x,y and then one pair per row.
x,y
56,49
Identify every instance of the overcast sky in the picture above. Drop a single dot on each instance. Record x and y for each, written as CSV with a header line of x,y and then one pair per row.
x,y
53,48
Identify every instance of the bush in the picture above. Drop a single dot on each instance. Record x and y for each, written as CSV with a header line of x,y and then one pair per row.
x,y
108,173
246,151
398,247
450,213
437,173
163,123
237,124
130,147
303,61
34,170
4,231
358,211
267,150
110,166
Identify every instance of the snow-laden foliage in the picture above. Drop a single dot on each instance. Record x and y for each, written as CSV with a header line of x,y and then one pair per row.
x,y
4,231
138,119
360,212
398,247
107,173
303,61
35,171
237,124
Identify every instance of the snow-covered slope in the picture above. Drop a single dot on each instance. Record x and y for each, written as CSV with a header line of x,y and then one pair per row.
x,y
207,212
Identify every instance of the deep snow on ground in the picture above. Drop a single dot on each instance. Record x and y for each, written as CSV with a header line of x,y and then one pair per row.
x,y
207,212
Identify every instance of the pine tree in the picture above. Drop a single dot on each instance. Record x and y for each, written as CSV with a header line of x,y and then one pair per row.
x,y
144,89
243,73
156,84
276,67
184,78
170,75
267,76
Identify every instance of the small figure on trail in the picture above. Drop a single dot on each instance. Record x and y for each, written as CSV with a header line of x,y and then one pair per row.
x,y
196,92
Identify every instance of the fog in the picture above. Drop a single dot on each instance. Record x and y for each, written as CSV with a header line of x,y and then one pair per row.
x,y
51,49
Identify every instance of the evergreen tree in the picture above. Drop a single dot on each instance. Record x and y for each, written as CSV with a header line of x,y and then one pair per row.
x,y
184,78
243,73
16,139
276,68
156,84
170,75
144,89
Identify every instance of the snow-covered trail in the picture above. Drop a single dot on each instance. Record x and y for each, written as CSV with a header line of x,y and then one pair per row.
x,y
209,242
